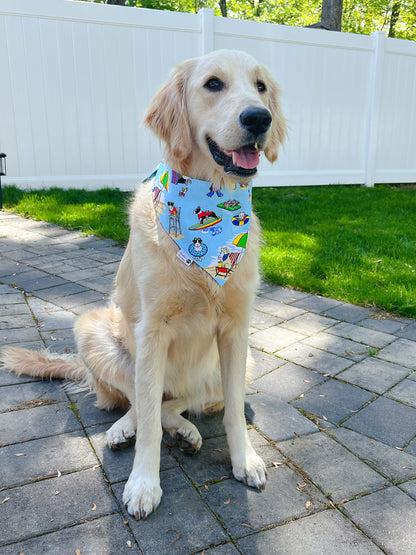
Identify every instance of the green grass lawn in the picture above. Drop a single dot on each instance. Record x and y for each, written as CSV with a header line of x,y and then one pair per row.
x,y
346,242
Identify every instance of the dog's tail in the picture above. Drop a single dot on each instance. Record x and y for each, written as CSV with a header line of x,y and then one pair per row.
x,y
42,364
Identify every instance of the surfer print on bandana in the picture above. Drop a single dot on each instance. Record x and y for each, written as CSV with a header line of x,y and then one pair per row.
x,y
209,224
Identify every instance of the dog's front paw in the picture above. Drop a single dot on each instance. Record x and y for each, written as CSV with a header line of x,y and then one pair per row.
x,y
252,472
141,497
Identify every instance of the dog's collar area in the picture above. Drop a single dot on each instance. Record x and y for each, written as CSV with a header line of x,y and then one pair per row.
x,y
242,162
209,223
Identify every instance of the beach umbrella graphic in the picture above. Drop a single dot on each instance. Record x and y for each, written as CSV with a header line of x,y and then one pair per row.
x,y
241,240
164,179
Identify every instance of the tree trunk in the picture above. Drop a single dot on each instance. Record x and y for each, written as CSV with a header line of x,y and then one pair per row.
x,y
395,12
223,8
117,2
331,14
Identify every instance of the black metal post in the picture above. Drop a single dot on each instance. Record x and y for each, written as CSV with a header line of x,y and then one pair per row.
x,y
3,171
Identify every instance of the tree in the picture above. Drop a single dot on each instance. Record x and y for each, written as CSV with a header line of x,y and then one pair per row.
x,y
223,7
395,17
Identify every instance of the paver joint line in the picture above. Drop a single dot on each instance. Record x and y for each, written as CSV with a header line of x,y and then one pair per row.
x,y
331,408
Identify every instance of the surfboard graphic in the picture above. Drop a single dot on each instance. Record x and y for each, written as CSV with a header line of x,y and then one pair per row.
x,y
208,223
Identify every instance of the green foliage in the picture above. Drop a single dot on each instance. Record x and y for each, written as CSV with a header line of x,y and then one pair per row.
x,y
397,18
361,16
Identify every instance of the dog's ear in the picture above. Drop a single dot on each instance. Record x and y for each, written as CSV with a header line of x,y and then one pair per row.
x,y
167,115
279,122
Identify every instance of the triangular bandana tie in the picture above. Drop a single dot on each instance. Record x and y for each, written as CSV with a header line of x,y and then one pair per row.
x,y
209,224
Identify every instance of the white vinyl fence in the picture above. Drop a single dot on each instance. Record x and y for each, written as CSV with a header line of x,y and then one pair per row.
x,y
76,77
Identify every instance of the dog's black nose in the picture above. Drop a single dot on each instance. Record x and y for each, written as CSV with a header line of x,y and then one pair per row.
x,y
256,120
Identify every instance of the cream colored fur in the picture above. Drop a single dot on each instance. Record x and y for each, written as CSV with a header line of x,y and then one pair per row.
x,y
172,339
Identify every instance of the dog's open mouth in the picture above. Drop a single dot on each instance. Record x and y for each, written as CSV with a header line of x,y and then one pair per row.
x,y
242,162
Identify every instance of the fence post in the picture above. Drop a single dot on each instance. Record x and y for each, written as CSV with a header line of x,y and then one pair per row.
x,y
379,39
207,30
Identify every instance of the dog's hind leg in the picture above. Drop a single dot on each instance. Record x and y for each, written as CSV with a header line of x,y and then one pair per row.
x,y
111,368
123,431
188,436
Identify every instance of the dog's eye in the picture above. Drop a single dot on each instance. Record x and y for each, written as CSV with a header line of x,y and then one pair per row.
x,y
261,87
214,84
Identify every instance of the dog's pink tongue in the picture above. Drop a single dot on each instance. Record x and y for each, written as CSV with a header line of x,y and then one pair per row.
x,y
246,157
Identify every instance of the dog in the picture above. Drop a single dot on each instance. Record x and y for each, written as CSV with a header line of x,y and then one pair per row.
x,y
172,339
204,215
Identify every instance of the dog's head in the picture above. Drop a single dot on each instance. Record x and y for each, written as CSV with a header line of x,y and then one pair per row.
x,y
216,114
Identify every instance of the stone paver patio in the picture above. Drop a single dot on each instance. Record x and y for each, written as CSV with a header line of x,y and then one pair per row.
x,y
331,408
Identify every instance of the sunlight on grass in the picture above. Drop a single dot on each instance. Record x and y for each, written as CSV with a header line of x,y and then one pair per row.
x,y
100,212
347,242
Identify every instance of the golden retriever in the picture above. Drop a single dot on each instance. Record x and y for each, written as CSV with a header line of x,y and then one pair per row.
x,y
172,340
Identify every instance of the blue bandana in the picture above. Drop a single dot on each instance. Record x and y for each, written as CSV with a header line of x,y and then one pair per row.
x,y
209,224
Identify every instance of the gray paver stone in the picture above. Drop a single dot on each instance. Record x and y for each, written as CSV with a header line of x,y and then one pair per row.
x,y
333,400
309,323
57,320
263,363
277,308
13,336
275,418
409,488
334,469
16,321
65,500
315,303
105,536
66,289
405,392
349,313
395,464
11,309
262,320
338,346
39,458
8,378
225,549
89,414
31,284
386,325
22,425
73,302
409,332
321,534
401,352
243,509
385,420
282,294
167,531
31,394
288,381
374,374
363,335
210,424
274,338
318,360
388,517
411,448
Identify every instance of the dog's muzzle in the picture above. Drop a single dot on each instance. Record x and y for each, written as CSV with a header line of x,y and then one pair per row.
x,y
243,161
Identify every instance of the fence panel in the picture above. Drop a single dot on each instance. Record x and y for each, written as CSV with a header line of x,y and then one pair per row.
x,y
77,77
